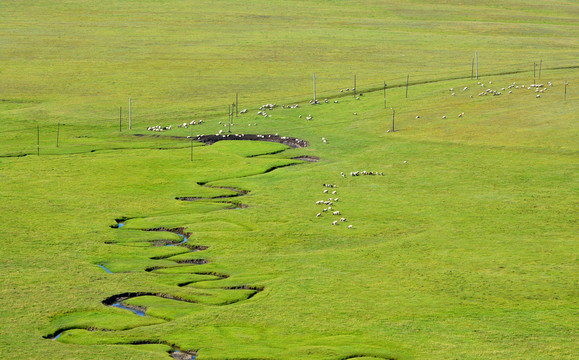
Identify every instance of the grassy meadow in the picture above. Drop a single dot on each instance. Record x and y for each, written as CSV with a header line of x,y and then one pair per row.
x,y
465,247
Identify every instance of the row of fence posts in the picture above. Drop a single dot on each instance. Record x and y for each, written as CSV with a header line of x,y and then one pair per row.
x,y
233,109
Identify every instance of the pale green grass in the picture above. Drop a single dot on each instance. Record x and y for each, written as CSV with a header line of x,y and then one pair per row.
x,y
465,248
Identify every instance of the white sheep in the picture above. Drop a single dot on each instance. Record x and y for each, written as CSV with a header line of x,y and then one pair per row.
x,y
337,212
350,226
343,219
335,222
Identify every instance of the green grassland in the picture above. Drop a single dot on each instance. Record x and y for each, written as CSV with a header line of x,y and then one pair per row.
x,y
465,247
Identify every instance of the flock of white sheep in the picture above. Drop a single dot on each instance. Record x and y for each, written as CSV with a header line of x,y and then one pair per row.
x,y
331,201
169,127
537,88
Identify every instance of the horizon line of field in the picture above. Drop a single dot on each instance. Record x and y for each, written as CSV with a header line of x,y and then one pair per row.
x,y
369,88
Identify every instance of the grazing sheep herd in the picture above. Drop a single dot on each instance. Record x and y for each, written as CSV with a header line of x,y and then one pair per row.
x,y
329,204
333,200
538,89
364,172
166,128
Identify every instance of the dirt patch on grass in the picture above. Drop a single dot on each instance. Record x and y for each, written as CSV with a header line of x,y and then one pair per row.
x,y
183,355
193,261
286,140
307,158
177,230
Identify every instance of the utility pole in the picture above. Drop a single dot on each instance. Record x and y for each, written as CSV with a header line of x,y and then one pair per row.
x,y
384,94
354,85
229,118
393,116
314,87
37,140
407,78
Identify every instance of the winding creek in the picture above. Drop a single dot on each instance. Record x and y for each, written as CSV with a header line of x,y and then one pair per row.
x,y
119,300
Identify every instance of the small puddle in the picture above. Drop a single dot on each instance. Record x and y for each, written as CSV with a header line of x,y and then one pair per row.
x,y
57,335
181,242
103,267
121,306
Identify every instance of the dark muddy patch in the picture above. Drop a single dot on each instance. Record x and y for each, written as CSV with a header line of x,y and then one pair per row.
x,y
193,261
177,230
195,247
307,158
183,355
286,140
175,350
164,242
166,256
235,205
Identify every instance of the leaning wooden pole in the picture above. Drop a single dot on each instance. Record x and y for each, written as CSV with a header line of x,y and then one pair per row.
x,y
314,87
384,94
